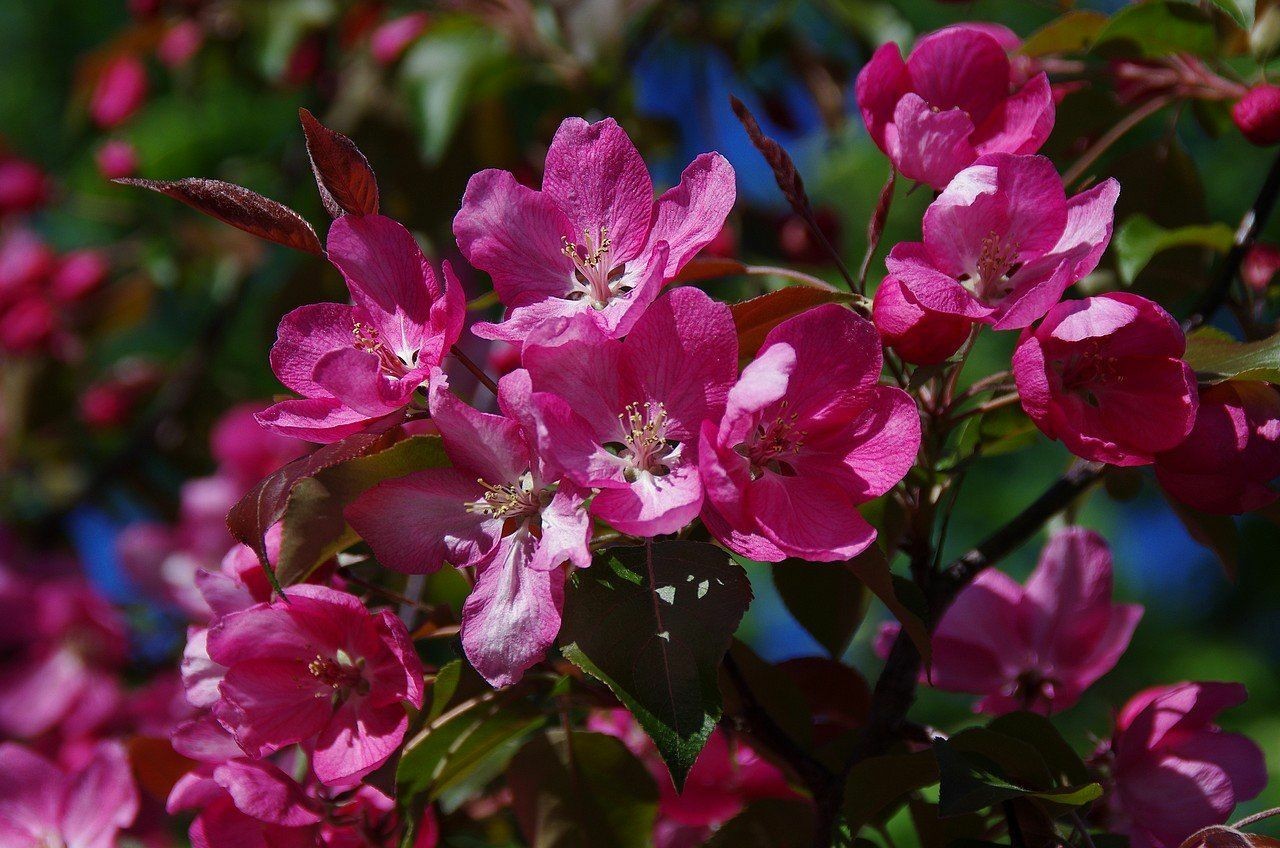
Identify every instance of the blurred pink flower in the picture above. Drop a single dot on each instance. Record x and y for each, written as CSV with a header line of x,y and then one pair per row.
x,y
391,38
917,335
42,805
115,159
806,437
1105,376
120,91
77,274
595,187
23,186
1003,242
357,366
950,103
499,509
317,666
1257,114
1174,770
1228,462
180,43
1260,266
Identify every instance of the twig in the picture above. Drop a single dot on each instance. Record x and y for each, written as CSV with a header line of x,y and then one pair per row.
x,y
1111,136
1016,839
790,274
875,227
484,378
1082,829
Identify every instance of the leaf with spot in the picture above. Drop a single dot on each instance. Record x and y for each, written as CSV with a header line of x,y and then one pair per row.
x,y
653,624
342,172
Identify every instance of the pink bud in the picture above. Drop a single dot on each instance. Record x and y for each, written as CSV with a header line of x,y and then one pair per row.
x,y
25,325
919,336
23,186
105,405
1260,266
180,43
120,91
116,159
79,273
1257,114
391,38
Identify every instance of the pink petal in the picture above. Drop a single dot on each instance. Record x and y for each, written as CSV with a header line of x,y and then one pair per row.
x,y
927,146
100,800
264,792
934,290
576,446
512,615
358,739
583,366
478,443
321,419
355,378
1021,123
306,334
692,213
652,505
268,704
881,444
566,531
1090,218
30,792
810,519
515,235
881,84
597,178
958,67
833,347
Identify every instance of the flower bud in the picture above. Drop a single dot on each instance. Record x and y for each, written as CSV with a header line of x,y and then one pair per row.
x,y
1257,114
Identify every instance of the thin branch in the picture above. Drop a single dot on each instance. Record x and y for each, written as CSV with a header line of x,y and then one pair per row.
x,y
484,378
789,274
1111,136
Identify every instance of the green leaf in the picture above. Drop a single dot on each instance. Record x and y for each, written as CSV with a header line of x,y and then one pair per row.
x,y
1038,732
825,598
1000,431
774,691
1139,239
875,785
1071,33
583,789
1158,28
464,740
1240,11
872,569
1216,356
653,624
768,823
314,528
980,768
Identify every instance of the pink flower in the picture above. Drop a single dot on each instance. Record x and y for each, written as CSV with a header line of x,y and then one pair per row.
x,y
1257,114
950,103
1105,376
389,41
1040,646
180,43
23,186
246,453
120,91
116,158
1260,266
623,416
806,437
77,275
317,666
1003,242
358,366
245,803
917,335
1175,771
501,508
1227,463
596,188
41,805
725,778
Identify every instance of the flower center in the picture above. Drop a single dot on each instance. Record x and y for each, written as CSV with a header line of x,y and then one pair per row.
x,y
772,443
645,447
340,673
1085,370
513,500
992,278
1033,686
366,338
593,276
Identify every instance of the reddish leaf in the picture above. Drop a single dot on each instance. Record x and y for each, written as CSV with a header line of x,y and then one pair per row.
x,y
264,504
156,765
708,268
342,172
239,207
756,317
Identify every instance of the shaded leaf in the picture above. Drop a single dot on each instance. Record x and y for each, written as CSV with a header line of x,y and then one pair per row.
x,y
979,769
872,568
771,688
709,268
877,784
239,207
314,527
1218,533
1071,33
754,318
1139,239
1158,28
264,504
671,609
1038,732
342,172
767,823
1215,356
825,598
581,790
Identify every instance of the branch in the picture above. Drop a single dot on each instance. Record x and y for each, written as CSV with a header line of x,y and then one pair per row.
x,y
1111,136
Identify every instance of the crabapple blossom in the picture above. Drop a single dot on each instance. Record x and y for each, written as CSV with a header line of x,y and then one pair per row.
x,y
593,242
1039,646
358,366
623,416
120,91
917,335
1257,114
1105,376
949,103
501,508
388,42
1002,242
23,186
319,666
1174,770
43,805
115,159
1228,462
807,435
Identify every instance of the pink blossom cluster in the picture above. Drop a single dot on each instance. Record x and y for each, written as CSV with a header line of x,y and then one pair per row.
x,y
41,291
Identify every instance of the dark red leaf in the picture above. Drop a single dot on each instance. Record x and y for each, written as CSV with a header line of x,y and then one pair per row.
x,y
709,268
342,172
756,317
264,504
241,208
